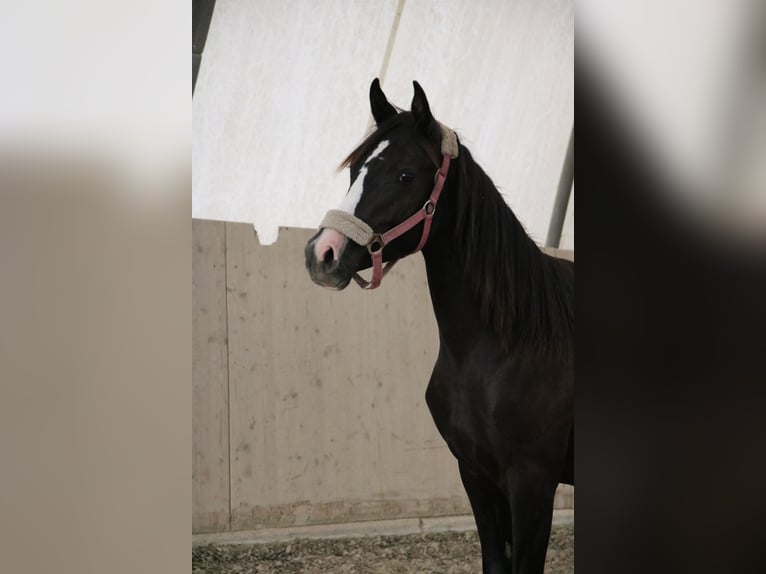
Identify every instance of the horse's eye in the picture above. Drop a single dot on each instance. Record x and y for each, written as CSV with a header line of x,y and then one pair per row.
x,y
406,176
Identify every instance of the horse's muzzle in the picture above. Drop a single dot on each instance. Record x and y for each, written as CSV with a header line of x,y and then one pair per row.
x,y
322,254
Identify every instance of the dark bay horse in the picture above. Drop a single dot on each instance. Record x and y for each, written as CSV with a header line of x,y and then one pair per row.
x,y
502,390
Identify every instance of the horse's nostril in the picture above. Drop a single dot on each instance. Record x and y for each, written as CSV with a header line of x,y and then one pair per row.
x,y
329,264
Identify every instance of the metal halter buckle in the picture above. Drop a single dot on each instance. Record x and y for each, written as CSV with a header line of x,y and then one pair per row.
x,y
374,242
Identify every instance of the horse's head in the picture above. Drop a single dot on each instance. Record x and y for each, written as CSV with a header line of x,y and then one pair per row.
x,y
392,175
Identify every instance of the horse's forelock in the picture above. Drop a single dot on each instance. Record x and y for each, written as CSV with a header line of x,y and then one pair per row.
x,y
380,133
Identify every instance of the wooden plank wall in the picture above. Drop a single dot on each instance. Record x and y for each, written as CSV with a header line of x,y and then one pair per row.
x,y
309,404
210,379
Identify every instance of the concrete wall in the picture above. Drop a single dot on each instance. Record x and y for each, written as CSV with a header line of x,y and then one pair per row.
x,y
282,97
308,404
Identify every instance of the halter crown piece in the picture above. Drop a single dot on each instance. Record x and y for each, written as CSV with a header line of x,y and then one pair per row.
x,y
362,234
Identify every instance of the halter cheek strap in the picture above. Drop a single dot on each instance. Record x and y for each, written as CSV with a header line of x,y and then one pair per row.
x,y
362,234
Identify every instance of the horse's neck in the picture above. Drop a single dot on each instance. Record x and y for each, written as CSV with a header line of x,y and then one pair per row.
x,y
455,309
455,299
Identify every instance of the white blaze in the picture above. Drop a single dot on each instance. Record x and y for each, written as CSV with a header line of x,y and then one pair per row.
x,y
334,240
354,194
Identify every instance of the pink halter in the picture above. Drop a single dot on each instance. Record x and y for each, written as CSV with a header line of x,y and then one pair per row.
x,y
362,234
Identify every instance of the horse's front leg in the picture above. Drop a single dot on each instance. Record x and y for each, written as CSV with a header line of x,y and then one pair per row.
x,y
532,488
493,521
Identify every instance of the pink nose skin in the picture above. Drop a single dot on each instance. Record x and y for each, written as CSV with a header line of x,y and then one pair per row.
x,y
329,239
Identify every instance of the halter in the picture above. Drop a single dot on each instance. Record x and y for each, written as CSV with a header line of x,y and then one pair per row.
x,y
362,234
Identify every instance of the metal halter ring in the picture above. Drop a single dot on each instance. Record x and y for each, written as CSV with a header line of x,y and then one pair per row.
x,y
375,241
429,208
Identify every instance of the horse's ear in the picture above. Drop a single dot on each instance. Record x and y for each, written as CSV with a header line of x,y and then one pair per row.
x,y
381,109
420,109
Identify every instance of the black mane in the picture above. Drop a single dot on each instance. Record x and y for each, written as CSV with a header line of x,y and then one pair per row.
x,y
525,295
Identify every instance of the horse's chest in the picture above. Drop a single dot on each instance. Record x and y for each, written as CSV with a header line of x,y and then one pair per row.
x,y
464,410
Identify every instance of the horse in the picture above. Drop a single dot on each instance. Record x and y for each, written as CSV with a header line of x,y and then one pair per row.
x,y
501,393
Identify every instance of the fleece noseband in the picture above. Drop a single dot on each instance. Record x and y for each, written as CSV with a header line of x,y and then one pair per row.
x,y
362,234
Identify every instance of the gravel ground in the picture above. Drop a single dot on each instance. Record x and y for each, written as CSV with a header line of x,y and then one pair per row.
x,y
442,553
